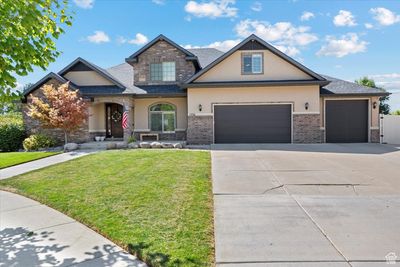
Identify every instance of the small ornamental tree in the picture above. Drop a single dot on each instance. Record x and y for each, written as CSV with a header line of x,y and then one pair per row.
x,y
60,108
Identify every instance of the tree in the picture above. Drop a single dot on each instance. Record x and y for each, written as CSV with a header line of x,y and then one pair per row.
x,y
396,112
384,107
60,108
9,104
28,30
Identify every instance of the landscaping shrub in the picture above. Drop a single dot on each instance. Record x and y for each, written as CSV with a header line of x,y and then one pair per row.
x,y
38,141
12,132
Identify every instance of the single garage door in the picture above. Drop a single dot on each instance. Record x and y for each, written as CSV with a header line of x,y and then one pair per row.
x,y
252,123
346,121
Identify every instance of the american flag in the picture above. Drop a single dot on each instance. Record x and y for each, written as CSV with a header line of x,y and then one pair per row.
x,y
125,120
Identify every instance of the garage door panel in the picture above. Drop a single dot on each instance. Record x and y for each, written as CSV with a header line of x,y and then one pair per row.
x,y
346,121
252,123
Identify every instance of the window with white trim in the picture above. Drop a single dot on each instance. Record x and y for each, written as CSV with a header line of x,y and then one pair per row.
x,y
162,117
164,71
252,63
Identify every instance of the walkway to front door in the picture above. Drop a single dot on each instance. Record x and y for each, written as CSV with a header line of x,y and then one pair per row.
x,y
114,120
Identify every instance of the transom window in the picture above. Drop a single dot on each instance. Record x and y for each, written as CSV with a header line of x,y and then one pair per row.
x,y
162,117
164,71
252,63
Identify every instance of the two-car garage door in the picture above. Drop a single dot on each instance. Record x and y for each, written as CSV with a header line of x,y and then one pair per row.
x,y
253,123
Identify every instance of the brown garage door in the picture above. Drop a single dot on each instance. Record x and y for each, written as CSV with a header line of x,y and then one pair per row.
x,y
346,121
252,124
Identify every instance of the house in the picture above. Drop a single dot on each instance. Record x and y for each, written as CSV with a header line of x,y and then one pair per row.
x,y
253,93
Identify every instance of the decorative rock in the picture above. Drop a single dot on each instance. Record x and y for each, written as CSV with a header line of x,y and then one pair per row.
x,y
111,146
156,145
133,145
178,145
167,145
71,146
144,145
121,145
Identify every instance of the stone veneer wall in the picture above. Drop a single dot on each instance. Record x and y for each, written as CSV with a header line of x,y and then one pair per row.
x,y
306,128
33,126
200,130
162,52
375,136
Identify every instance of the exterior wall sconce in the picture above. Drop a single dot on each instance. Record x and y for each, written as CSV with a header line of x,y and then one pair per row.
x,y
306,105
200,107
374,105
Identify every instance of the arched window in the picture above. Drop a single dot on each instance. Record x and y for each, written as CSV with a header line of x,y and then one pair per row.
x,y
162,117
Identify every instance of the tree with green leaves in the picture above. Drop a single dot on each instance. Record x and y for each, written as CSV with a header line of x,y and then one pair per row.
x,y
384,107
28,31
10,104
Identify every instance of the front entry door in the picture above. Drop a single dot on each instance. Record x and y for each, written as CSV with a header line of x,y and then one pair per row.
x,y
114,120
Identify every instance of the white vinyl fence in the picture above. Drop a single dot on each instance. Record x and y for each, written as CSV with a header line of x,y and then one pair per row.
x,y
390,129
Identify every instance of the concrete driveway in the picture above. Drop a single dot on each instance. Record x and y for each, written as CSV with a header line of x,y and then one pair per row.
x,y
306,205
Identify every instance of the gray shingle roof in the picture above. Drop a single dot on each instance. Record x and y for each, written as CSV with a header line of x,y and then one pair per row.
x,y
341,87
206,55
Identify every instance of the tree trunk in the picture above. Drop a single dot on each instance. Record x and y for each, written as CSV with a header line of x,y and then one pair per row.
x,y
65,137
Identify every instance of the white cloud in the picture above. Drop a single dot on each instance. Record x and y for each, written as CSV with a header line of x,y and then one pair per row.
x,y
281,33
211,9
307,16
256,6
368,25
158,2
386,76
220,45
385,17
98,37
140,39
347,44
288,50
344,18
86,4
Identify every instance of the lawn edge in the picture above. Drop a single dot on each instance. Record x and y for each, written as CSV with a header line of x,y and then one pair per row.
x,y
13,165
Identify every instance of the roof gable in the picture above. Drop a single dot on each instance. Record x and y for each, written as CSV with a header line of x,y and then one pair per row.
x,y
81,64
189,56
45,79
253,42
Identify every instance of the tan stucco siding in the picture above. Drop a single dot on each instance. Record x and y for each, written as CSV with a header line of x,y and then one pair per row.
x,y
296,95
142,111
275,68
373,113
85,78
97,118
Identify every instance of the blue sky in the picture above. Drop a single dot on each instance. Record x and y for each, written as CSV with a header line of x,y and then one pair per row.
x,y
344,39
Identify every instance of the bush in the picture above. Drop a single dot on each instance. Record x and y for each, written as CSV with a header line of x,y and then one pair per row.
x,y
131,139
12,132
38,141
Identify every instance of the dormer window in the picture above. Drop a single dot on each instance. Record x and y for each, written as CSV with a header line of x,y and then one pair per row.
x,y
164,71
252,63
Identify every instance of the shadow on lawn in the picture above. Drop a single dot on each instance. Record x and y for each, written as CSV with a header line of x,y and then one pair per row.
x,y
20,247
157,259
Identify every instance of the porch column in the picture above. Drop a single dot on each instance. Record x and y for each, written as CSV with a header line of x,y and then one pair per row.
x,y
129,130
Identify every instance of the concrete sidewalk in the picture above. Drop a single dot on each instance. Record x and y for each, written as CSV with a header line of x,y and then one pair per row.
x,y
32,234
40,163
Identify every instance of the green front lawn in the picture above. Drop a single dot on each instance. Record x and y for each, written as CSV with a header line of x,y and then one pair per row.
x,y
155,203
8,159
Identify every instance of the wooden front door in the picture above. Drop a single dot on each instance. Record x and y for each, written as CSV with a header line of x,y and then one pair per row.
x,y
114,120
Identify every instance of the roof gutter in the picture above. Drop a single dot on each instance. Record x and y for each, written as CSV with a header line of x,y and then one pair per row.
x,y
253,84
355,94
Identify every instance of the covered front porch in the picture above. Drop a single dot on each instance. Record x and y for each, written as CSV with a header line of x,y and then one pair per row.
x,y
146,118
